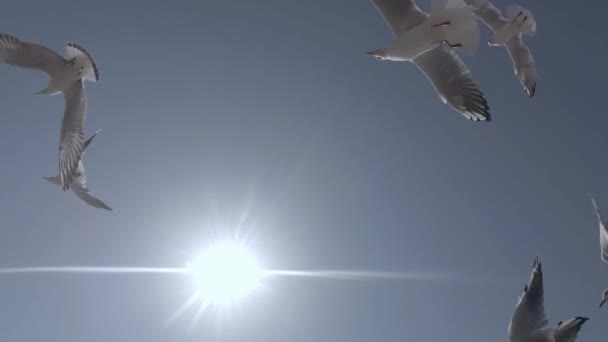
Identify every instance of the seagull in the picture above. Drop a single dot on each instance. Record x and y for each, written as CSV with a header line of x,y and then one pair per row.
x,y
79,184
428,42
529,324
508,33
603,243
67,77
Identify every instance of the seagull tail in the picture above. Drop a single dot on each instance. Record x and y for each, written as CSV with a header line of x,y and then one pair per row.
x,y
523,18
455,23
55,180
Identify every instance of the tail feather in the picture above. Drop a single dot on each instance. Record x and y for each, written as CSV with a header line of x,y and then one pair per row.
x,y
524,18
462,28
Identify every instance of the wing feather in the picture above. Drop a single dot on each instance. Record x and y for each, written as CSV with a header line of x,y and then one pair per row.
x,y
523,64
400,15
453,82
71,145
29,55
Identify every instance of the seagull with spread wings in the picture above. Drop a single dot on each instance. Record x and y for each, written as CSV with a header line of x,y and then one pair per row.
x,y
449,75
508,33
529,323
67,76
79,184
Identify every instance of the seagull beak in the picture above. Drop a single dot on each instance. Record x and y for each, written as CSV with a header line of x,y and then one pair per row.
x,y
603,301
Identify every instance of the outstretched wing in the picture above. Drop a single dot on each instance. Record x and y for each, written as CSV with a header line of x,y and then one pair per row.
x,y
568,331
29,55
80,188
529,316
523,64
453,82
71,145
85,195
400,15
488,13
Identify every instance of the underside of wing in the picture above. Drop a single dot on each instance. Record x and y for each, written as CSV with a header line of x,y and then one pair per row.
x,y
71,145
529,315
453,82
523,64
400,15
29,55
488,13
568,331
88,198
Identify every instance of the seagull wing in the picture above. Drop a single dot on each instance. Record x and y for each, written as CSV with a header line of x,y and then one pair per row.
x,y
400,15
523,64
88,141
29,55
85,195
71,145
453,82
488,13
568,331
80,188
529,318
603,231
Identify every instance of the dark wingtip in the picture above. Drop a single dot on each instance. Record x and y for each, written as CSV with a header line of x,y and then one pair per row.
x,y
89,56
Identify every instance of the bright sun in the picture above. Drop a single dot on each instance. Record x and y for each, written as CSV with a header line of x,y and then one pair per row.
x,y
225,272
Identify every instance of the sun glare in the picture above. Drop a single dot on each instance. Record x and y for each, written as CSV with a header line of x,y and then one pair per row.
x,y
225,272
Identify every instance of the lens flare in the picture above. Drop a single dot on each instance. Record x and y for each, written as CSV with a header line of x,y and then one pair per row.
x,y
225,272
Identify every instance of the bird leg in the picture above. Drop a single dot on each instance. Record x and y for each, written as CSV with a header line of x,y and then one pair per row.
x,y
445,23
457,45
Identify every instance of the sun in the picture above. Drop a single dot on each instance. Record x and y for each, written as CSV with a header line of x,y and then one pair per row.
x,y
225,272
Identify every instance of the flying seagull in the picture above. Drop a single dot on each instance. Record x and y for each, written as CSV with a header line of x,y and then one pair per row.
x,y
603,242
67,76
529,323
428,42
508,33
79,184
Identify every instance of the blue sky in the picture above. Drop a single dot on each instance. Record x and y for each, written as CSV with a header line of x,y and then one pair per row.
x,y
211,110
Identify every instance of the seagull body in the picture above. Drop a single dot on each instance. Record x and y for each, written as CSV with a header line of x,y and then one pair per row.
x,y
67,76
79,184
425,40
508,32
529,323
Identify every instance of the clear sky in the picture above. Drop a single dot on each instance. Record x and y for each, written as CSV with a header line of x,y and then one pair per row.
x,y
269,113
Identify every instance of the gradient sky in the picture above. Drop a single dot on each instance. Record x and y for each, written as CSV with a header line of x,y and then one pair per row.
x,y
269,113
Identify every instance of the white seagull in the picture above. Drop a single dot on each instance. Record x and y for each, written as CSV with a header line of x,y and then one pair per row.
x,y
67,76
508,33
603,242
427,41
529,323
79,185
